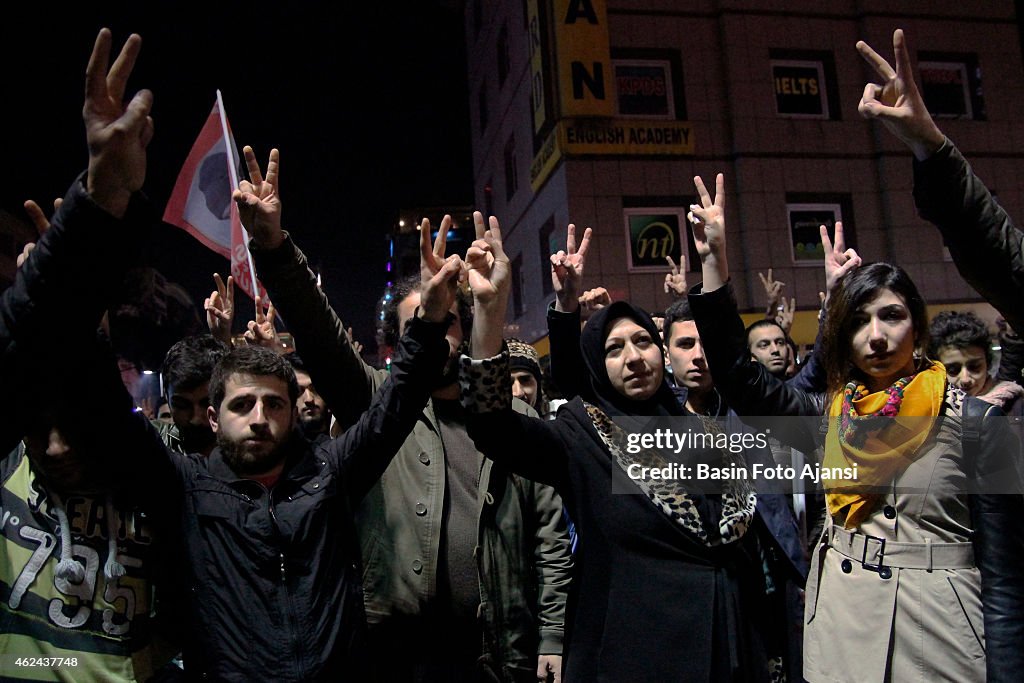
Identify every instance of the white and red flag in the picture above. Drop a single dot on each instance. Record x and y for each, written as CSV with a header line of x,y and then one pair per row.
x,y
201,201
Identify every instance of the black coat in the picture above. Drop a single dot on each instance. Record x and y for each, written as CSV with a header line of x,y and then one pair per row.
x,y
648,602
272,579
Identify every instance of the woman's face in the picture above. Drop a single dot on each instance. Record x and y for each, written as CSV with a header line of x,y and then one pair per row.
x,y
883,340
632,359
967,368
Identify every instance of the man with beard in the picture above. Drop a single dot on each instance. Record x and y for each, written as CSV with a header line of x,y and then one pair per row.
x,y
186,378
268,549
314,415
467,567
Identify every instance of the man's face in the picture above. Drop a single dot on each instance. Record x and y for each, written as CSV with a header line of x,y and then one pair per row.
x,y
524,386
253,423
189,409
406,311
689,367
314,418
768,347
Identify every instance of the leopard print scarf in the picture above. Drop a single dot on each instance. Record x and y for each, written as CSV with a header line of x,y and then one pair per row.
x,y
670,496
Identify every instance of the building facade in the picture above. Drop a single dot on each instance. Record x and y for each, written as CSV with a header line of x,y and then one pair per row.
x,y
601,112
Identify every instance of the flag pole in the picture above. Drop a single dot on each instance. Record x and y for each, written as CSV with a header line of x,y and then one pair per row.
x,y
233,176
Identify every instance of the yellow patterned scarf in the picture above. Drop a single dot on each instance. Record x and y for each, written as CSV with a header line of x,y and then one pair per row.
x,y
880,434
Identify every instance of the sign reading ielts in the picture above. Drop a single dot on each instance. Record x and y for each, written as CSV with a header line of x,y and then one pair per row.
x,y
799,89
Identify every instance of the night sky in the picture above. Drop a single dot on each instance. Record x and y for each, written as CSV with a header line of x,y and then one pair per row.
x,y
367,105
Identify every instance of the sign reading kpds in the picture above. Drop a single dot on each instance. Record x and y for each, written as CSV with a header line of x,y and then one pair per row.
x,y
584,59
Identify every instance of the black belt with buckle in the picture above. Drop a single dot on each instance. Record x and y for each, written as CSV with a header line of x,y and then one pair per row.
x,y
881,555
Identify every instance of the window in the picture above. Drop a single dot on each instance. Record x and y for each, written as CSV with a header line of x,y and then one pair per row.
x,y
804,83
503,58
511,173
951,85
549,245
648,84
652,233
482,106
644,88
806,213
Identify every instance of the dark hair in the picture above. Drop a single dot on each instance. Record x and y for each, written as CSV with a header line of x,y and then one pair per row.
x,y
388,329
251,360
151,314
959,330
763,322
679,311
190,362
295,360
859,288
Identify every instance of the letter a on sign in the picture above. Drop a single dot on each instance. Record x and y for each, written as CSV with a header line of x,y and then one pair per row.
x,y
583,58
581,9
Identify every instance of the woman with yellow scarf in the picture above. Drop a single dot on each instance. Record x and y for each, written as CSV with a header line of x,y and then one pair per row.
x,y
916,576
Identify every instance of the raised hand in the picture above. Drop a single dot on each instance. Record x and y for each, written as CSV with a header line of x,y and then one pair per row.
x,y
785,314
487,264
356,346
261,331
439,276
567,270
220,308
772,292
708,219
593,300
259,202
839,260
897,102
675,280
41,222
117,135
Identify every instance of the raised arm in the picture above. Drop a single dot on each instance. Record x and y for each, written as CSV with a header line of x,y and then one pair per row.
x,y
564,316
897,102
341,376
525,445
364,451
747,386
986,247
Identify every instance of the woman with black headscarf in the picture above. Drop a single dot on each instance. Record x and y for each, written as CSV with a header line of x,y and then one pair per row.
x,y
676,584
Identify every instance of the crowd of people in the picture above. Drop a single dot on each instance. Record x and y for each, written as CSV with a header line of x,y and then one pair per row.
x,y
301,516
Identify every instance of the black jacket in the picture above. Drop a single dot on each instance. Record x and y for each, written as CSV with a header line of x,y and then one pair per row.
x,y
986,247
272,578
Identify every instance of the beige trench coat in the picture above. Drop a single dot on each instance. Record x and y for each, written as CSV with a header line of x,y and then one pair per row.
x,y
908,623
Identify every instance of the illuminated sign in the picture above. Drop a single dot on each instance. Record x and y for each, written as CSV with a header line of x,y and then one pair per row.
x,y
799,89
945,88
644,88
653,234
629,136
804,230
584,58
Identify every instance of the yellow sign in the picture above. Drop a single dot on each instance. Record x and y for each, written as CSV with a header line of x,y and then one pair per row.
x,y
584,58
625,136
544,162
